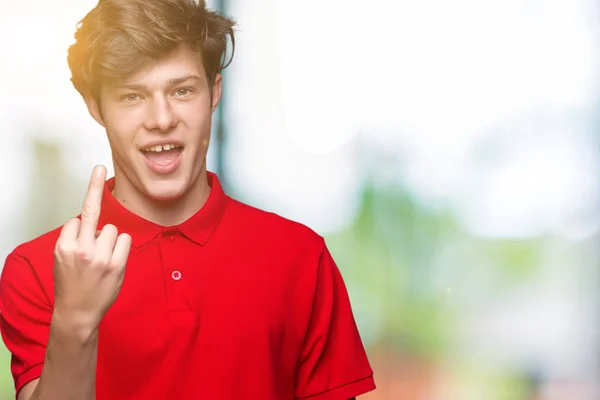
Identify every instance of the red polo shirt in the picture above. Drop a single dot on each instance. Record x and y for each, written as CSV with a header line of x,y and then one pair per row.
x,y
235,303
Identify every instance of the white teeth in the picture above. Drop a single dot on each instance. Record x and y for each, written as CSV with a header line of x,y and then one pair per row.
x,y
159,148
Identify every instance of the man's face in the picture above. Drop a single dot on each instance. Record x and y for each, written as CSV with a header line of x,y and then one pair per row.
x,y
158,125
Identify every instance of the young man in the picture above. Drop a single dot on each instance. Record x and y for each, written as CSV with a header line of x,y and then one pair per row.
x,y
164,287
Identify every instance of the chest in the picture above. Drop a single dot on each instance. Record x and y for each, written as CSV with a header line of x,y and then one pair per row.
x,y
186,308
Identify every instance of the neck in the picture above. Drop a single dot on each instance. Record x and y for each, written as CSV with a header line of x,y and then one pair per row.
x,y
160,212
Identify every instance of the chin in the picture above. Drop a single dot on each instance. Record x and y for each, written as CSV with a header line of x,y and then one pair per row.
x,y
165,190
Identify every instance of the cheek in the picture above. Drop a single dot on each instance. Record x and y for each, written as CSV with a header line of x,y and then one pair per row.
x,y
197,122
121,129
122,144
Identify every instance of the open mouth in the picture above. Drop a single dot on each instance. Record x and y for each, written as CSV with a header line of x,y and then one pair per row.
x,y
163,158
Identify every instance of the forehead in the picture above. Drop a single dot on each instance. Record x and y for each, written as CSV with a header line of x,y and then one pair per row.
x,y
182,62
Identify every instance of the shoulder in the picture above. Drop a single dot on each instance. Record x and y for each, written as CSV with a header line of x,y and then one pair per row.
x,y
273,228
32,260
39,248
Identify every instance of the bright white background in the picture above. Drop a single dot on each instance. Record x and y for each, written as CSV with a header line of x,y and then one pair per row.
x,y
490,107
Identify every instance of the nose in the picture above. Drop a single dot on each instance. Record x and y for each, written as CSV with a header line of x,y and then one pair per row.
x,y
161,116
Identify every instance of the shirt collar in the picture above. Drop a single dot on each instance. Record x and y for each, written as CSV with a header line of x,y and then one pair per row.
x,y
198,228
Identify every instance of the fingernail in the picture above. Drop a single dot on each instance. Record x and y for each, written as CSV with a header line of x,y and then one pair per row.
x,y
98,171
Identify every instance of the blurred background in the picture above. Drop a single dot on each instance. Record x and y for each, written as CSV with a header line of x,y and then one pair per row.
x,y
448,151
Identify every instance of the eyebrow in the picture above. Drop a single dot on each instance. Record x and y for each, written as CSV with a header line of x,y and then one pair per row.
x,y
170,82
176,81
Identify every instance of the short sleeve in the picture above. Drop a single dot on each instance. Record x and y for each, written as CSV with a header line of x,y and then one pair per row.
x,y
25,316
333,363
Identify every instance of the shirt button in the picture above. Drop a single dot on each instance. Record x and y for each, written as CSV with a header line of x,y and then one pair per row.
x,y
176,275
170,234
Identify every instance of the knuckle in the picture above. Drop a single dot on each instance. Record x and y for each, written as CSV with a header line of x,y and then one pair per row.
x,y
88,211
96,184
83,255
59,247
115,265
71,221
109,228
100,260
62,248
102,263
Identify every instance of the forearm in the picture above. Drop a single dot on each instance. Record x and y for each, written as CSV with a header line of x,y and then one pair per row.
x,y
69,371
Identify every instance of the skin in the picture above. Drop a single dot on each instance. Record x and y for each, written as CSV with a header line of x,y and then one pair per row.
x,y
170,100
150,108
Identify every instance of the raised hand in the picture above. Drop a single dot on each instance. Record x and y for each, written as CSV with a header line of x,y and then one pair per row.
x,y
89,265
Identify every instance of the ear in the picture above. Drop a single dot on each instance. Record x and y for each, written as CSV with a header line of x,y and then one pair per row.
x,y
216,92
94,109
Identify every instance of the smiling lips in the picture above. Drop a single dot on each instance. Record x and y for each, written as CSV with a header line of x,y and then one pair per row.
x,y
163,159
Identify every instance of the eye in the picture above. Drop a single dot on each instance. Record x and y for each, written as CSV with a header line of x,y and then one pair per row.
x,y
183,92
130,98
